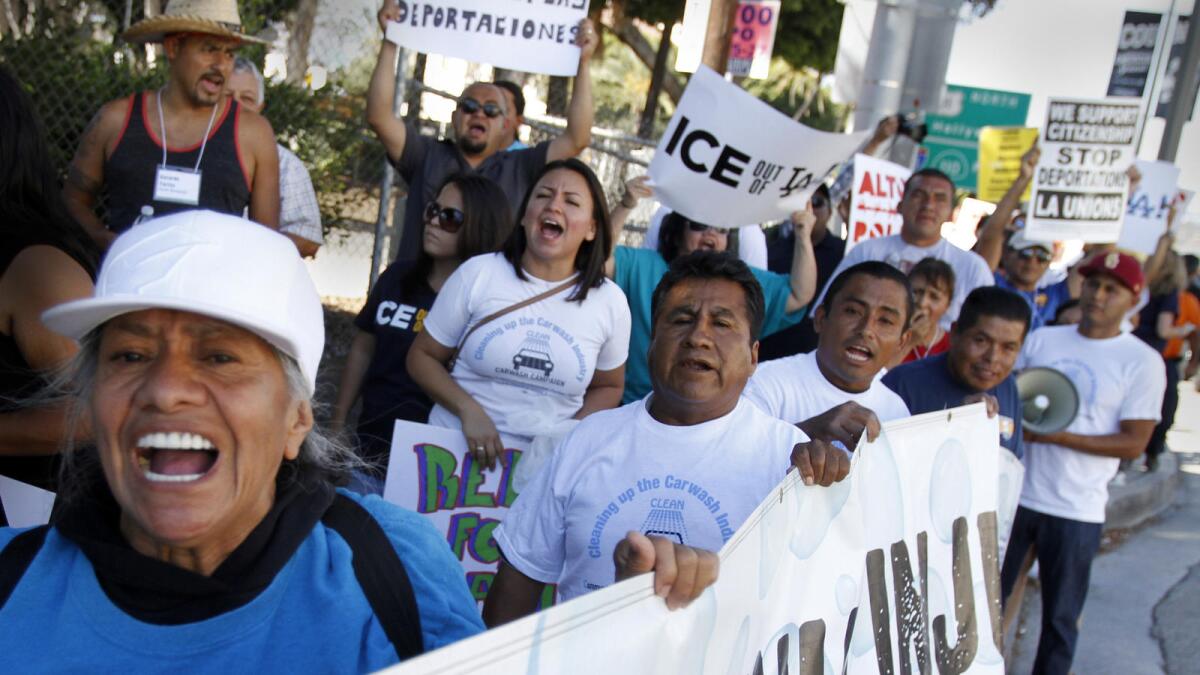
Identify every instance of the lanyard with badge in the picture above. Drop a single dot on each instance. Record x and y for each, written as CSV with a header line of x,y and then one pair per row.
x,y
179,184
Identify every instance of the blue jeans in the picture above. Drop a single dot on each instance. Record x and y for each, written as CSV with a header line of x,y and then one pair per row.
x,y
1065,549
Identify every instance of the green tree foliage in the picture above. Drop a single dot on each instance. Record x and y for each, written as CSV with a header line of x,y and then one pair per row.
x,y
808,33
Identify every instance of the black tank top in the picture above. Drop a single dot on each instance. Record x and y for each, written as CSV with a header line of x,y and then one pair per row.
x,y
129,173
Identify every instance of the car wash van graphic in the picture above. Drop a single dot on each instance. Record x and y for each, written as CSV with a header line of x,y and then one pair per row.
x,y
534,354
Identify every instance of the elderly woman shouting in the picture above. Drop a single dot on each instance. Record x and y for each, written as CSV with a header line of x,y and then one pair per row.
x,y
204,532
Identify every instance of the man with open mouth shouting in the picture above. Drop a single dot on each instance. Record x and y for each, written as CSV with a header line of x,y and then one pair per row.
x,y
203,532
482,133
184,146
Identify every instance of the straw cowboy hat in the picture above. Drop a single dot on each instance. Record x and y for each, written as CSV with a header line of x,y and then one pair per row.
x,y
210,17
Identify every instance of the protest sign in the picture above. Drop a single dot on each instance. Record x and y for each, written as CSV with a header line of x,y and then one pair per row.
x,y
1000,152
953,139
1170,77
431,472
961,231
728,159
535,38
1080,184
1147,208
24,505
753,38
876,192
895,569
1135,54
689,36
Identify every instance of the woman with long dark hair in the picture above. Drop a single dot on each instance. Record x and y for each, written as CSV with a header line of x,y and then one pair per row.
x,y
469,217
45,259
534,335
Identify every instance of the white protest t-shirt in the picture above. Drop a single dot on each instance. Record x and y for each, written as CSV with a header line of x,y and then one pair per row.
x,y
970,270
539,359
622,470
794,389
1118,378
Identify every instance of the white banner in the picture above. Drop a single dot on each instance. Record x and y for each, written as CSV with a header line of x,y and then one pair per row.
x,y
431,472
1080,186
514,34
962,230
893,570
876,192
728,159
1146,212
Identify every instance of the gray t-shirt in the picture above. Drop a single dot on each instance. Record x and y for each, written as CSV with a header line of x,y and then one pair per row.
x,y
427,161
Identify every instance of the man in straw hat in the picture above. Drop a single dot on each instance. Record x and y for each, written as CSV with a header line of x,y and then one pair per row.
x,y
185,145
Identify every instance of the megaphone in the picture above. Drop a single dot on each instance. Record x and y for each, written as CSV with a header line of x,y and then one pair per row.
x,y
1049,400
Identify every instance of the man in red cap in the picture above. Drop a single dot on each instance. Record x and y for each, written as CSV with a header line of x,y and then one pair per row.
x,y
1120,382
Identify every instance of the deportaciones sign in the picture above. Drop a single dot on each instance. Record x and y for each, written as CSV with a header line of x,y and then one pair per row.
x,y
728,159
896,569
535,38
1079,189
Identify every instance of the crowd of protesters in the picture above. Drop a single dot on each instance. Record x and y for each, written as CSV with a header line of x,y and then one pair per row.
x,y
158,364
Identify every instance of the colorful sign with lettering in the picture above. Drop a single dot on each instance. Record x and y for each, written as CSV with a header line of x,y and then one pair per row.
x,y
1080,186
1000,152
876,192
431,472
894,570
1147,209
1135,54
728,159
753,38
953,140
514,34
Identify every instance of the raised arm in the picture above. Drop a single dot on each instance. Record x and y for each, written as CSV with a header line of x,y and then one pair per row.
x,y
578,134
382,91
995,228
886,128
85,175
803,275
636,189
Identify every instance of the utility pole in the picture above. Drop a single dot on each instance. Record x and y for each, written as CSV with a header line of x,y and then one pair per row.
x,y
721,16
1184,97
887,62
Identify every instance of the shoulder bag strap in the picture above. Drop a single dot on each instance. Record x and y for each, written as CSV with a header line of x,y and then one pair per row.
x,y
507,310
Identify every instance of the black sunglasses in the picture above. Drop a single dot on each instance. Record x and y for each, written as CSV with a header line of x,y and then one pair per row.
x,y
1034,253
445,217
701,227
470,106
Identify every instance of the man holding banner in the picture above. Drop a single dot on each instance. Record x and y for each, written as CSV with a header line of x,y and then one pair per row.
x,y
481,133
683,467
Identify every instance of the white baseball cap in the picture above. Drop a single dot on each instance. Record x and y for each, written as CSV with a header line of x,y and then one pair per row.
x,y
1020,241
212,264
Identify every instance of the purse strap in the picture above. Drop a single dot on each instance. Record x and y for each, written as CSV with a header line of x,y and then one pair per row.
x,y
507,310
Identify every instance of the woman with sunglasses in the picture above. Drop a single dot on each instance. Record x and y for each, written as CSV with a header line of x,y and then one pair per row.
x,y
523,340
469,217
637,271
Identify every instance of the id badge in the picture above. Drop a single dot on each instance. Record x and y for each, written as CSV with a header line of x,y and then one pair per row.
x,y
177,185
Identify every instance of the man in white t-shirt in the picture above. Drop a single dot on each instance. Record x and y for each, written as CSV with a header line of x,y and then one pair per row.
x,y
861,327
676,472
927,203
1120,382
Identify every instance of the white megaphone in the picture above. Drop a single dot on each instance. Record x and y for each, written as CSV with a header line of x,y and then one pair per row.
x,y
1049,400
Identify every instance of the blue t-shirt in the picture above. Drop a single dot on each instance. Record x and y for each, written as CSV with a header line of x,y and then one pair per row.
x,y
638,271
926,385
313,618
1043,302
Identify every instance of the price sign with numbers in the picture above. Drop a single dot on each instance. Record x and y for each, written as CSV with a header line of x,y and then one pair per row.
x,y
753,38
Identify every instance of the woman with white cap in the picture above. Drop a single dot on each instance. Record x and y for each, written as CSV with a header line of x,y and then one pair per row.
x,y
204,531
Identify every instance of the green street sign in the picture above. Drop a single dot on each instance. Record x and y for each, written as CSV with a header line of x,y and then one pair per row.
x,y
952,145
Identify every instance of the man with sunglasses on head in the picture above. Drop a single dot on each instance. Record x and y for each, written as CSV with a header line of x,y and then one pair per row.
x,y
481,135
1024,263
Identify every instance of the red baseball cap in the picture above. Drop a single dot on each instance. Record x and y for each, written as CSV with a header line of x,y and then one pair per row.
x,y
1120,266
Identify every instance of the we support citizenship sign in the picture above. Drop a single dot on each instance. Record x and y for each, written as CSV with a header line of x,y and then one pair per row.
x,y
728,159
953,140
431,472
1135,54
753,38
535,38
1147,209
1000,152
1079,189
877,189
895,569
